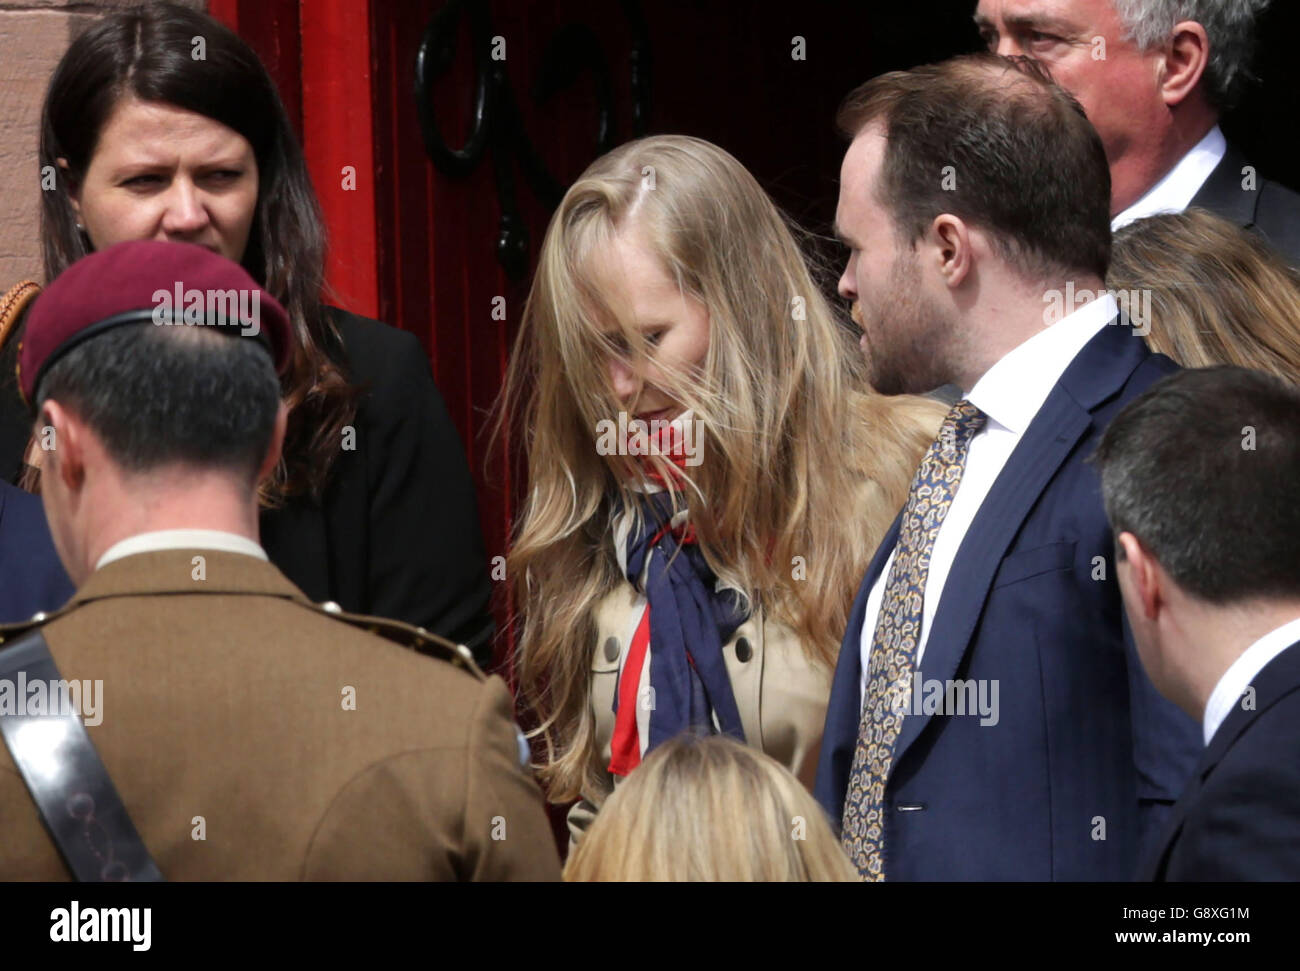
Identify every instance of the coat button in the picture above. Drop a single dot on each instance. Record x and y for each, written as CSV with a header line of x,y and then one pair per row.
x,y
611,649
743,650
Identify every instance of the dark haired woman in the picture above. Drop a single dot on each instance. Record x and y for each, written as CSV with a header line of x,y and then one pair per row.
x,y
372,505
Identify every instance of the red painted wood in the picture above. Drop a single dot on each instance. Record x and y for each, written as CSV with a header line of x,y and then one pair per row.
x,y
271,28
227,11
338,141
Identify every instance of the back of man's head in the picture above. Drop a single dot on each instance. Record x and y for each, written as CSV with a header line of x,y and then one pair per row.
x,y
1203,469
169,397
995,142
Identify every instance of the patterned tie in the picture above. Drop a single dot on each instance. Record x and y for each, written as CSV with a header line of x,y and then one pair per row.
x,y
898,631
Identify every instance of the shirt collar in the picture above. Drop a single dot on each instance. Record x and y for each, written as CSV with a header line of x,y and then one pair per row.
x,y
181,539
1227,693
1178,188
1013,389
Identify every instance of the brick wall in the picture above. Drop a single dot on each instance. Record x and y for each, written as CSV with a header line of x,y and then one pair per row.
x,y
33,36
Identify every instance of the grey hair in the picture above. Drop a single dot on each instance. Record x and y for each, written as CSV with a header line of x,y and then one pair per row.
x,y
1229,24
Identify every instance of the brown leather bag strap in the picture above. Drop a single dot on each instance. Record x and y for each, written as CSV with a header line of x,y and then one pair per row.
x,y
12,305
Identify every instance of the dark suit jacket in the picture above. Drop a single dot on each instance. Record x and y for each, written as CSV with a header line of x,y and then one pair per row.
x,y
1270,209
1083,746
396,533
1240,817
31,577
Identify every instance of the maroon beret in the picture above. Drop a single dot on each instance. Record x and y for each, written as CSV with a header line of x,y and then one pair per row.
x,y
168,284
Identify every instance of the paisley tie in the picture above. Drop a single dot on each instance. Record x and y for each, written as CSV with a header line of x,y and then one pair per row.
x,y
898,631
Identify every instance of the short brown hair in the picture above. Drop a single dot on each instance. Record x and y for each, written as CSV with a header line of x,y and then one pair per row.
x,y
1028,167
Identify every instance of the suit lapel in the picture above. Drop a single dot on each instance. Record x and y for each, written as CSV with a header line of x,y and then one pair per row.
x,y
844,709
1095,375
1278,678
1222,192
1047,442
1154,867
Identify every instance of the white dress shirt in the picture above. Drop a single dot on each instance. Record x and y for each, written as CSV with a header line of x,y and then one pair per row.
x,y
1178,188
181,539
1241,673
1010,394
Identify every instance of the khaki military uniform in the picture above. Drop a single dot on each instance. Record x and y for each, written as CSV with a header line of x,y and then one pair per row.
x,y
252,736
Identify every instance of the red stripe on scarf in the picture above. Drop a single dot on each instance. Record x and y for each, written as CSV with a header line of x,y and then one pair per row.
x,y
626,743
625,746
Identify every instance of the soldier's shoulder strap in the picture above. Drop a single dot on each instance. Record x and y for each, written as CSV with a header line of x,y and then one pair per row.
x,y
15,629
72,790
408,635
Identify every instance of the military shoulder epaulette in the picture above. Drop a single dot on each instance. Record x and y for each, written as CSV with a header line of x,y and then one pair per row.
x,y
408,635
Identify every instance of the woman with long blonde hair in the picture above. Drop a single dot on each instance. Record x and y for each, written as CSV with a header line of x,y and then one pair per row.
x,y
708,472
710,809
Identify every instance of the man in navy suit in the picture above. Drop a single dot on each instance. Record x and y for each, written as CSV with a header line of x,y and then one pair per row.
x,y
31,577
989,718
1198,477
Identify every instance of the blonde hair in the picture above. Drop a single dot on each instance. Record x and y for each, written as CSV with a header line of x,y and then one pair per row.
x,y
710,809
1219,294
794,441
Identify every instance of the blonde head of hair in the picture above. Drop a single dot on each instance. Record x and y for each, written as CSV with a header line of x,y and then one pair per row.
x,y
709,809
793,439
1219,294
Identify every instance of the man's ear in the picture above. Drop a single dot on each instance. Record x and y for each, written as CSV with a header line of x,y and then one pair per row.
x,y
62,440
277,443
1185,61
951,241
1146,578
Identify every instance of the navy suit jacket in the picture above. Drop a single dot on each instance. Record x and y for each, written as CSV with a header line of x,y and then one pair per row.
x,y
1240,817
31,576
1085,753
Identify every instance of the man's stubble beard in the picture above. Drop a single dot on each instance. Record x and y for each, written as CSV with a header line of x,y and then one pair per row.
x,y
909,354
